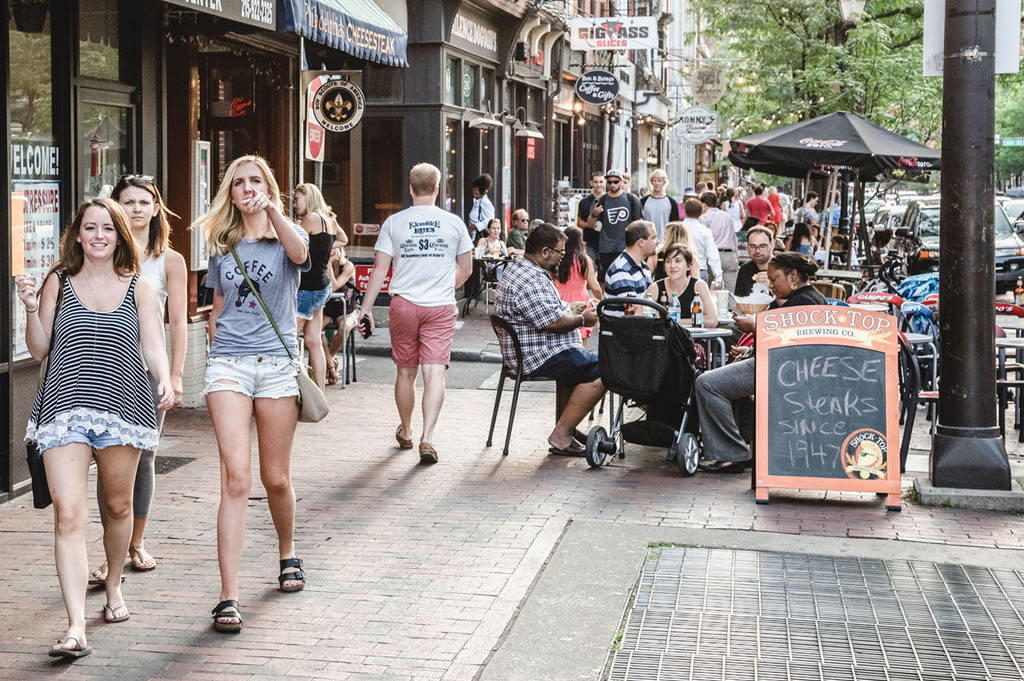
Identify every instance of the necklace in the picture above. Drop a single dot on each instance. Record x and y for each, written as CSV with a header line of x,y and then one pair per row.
x,y
95,316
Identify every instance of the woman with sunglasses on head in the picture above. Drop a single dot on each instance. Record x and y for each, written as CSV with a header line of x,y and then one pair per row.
x,y
321,224
164,269
250,371
98,324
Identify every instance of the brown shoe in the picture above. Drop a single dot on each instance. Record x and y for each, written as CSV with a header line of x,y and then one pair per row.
x,y
427,453
403,442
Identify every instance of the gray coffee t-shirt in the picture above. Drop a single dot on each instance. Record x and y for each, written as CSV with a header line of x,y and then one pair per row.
x,y
618,213
242,326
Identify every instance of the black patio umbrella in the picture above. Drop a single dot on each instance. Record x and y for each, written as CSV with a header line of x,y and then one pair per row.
x,y
820,144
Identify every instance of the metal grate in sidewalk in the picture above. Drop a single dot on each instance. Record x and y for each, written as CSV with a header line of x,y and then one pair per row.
x,y
725,615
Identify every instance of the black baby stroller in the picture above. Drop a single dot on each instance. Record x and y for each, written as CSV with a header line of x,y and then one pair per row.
x,y
648,362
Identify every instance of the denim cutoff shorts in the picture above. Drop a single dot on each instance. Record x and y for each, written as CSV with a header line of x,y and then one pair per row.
x,y
254,376
85,436
311,301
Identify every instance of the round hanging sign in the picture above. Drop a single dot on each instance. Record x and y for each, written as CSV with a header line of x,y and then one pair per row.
x,y
597,87
338,105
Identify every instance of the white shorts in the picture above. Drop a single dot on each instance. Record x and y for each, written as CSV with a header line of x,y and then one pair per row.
x,y
254,376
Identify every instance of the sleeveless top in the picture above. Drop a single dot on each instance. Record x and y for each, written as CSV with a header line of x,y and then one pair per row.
x,y
316,278
733,209
152,269
95,378
574,289
685,298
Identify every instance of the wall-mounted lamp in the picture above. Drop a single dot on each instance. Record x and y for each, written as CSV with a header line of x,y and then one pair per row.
x,y
525,129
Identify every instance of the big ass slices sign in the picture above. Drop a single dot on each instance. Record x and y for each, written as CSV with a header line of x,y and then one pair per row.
x,y
827,401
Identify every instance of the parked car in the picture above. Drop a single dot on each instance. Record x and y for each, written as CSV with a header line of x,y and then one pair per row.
x,y
1014,210
889,217
918,240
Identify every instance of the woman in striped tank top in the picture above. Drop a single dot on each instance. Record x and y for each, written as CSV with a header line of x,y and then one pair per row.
x,y
164,269
95,398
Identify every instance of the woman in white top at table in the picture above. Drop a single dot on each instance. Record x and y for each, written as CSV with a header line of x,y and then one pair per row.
x,y
164,268
492,245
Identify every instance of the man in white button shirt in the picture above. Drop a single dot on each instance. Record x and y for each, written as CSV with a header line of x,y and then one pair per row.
x,y
702,241
722,229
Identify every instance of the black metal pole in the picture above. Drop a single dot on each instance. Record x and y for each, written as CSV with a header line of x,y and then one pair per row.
x,y
967,450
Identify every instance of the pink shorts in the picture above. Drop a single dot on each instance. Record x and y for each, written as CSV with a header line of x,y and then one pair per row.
x,y
421,335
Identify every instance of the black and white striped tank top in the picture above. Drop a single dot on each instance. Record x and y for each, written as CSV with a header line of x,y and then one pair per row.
x,y
96,378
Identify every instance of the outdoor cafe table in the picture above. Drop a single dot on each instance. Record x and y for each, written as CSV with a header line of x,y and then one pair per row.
x,y
1008,323
479,277
1017,345
871,307
707,335
845,275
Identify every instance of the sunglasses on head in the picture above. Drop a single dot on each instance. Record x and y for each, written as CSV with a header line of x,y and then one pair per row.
x,y
138,178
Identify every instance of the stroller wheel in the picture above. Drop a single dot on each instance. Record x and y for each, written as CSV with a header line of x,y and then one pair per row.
x,y
687,454
597,445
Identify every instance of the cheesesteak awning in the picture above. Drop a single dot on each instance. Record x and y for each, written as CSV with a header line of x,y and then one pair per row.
x,y
359,27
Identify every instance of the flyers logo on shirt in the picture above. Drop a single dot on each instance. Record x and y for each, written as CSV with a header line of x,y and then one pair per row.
x,y
617,215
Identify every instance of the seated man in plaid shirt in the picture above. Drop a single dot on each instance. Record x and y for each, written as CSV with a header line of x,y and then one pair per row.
x,y
547,329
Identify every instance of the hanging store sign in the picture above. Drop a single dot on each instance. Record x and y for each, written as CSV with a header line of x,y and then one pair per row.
x,y
597,87
698,125
252,12
614,33
708,85
338,105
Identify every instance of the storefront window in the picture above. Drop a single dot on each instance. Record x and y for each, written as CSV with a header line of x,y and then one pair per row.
x,y
451,70
487,89
104,147
470,76
35,158
382,83
98,28
451,164
382,151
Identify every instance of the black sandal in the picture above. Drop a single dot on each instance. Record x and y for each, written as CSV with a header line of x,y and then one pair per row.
x,y
296,575
227,627
723,467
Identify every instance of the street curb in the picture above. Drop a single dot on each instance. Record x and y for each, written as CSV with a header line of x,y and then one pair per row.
x,y
458,355
974,499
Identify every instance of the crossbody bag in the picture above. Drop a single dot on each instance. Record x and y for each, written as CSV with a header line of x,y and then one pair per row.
x,y
313,405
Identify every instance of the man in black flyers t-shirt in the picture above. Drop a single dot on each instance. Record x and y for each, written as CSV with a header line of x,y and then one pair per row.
x,y
615,211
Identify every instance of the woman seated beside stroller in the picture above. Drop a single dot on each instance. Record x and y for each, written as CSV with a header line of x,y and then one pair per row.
x,y
679,281
724,393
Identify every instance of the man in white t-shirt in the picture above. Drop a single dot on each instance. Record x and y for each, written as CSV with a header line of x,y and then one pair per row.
x,y
702,242
430,255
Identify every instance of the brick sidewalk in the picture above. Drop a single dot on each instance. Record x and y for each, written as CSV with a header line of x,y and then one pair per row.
x,y
414,572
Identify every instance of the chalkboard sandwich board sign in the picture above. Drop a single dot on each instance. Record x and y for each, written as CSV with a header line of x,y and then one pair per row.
x,y
827,401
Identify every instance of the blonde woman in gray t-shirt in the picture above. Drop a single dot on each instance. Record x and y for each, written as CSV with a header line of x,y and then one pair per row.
x,y
249,373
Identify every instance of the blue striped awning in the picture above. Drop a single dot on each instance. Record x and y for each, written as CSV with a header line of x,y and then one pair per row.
x,y
359,27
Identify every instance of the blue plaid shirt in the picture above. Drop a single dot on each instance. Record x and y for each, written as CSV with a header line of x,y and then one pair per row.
x,y
528,301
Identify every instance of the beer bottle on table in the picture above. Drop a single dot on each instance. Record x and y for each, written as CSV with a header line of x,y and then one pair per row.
x,y
697,312
1018,293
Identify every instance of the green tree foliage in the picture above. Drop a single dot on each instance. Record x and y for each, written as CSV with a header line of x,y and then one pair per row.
x,y
788,60
1009,123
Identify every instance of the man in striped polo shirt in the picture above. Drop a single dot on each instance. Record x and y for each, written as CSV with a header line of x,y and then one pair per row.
x,y
629,274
